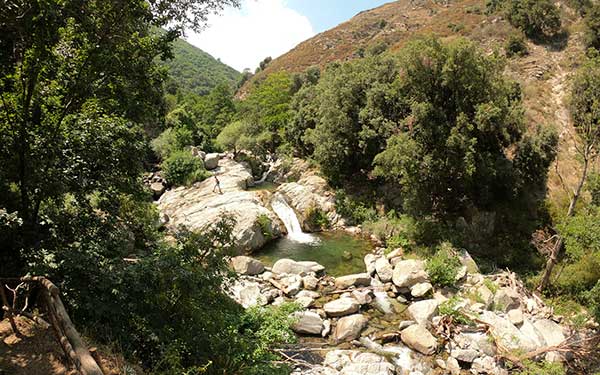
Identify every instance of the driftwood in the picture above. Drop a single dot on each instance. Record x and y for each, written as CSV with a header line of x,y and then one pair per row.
x,y
62,326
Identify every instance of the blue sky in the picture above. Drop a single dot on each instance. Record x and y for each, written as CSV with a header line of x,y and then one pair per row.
x,y
325,14
242,37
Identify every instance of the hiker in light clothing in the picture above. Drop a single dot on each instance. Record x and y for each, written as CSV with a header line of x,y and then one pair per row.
x,y
217,185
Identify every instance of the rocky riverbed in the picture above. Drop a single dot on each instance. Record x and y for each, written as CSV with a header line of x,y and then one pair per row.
x,y
197,206
391,320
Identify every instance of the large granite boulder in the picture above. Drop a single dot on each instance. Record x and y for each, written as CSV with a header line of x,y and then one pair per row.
x,y
196,207
384,269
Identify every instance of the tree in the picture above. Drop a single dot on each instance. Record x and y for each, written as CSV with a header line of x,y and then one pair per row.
x,y
536,18
592,26
585,111
78,85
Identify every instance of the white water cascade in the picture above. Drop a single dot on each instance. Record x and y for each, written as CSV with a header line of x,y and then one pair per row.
x,y
265,175
290,220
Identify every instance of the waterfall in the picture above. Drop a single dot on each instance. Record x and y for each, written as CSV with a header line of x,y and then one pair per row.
x,y
265,175
290,220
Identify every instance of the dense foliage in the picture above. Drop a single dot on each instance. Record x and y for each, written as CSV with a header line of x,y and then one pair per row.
x,y
194,71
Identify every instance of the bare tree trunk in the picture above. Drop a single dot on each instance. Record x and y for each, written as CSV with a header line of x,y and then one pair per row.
x,y
553,259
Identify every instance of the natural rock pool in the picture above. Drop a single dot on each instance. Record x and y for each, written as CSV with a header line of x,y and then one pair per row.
x,y
341,253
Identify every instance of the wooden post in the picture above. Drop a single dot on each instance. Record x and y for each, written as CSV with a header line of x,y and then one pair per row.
x,y
8,311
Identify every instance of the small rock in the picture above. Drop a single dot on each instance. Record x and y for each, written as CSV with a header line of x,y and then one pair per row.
x,y
363,297
506,299
349,327
465,355
341,307
370,263
409,272
420,289
418,338
326,328
360,279
550,331
398,252
292,267
157,189
384,269
310,282
405,324
211,161
423,311
307,322
516,317
486,295
246,265
452,366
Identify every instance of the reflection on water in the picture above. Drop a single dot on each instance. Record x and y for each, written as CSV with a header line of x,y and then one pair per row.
x,y
339,252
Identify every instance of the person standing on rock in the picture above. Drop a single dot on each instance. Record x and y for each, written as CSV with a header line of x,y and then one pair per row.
x,y
217,185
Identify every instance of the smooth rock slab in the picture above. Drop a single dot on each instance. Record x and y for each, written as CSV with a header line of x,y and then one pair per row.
x,y
246,265
409,272
550,331
341,307
292,267
307,322
418,338
349,327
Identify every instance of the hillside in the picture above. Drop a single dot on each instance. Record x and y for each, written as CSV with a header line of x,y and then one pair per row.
x,y
193,70
543,73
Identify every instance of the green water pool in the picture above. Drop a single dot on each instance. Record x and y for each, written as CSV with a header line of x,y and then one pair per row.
x,y
339,252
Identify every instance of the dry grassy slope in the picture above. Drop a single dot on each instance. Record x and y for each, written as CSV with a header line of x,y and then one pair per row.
x,y
544,73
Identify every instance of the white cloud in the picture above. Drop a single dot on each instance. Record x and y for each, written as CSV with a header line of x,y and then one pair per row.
x,y
243,37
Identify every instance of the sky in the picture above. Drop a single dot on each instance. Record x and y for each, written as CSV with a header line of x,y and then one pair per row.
x,y
243,37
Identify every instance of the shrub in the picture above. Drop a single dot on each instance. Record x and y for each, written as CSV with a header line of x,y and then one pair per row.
x,y
593,186
172,140
182,168
541,368
316,218
536,18
353,210
265,226
443,266
516,45
450,308
593,301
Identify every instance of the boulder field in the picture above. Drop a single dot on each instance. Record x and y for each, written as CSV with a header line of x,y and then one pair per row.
x,y
371,326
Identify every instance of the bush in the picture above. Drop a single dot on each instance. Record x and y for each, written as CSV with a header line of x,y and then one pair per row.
x,y
396,231
593,186
516,45
542,368
265,226
353,210
317,219
182,168
170,141
450,308
536,18
593,301
443,266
